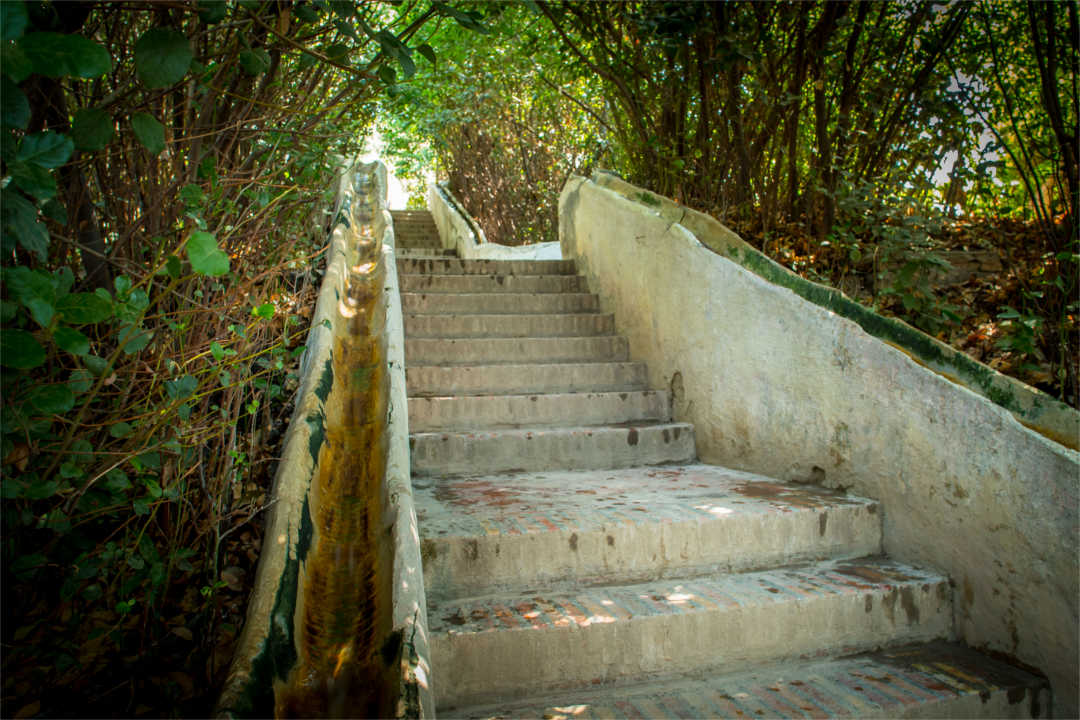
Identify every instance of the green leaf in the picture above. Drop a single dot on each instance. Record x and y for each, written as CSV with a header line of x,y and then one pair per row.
x,y
120,430
40,490
55,210
162,57
14,107
19,350
217,351
92,129
122,284
387,74
70,470
80,381
205,256
141,507
173,267
20,225
8,310
45,149
41,310
254,61
96,365
182,387
84,308
193,195
395,49
428,52
212,11
71,340
307,13
34,180
264,311
149,132
26,285
134,338
51,399
14,61
55,55
13,20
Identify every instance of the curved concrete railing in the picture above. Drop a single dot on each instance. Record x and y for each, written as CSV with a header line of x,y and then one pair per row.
x,y
1033,408
778,382
459,231
336,622
410,628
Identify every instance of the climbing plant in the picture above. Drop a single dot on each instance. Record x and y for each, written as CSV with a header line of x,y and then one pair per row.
x,y
168,185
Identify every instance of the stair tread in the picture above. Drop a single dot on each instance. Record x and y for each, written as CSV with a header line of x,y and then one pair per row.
x,y
566,608
584,501
898,682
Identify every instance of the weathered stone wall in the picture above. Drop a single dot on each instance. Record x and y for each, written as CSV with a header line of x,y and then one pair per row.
x,y
780,385
458,232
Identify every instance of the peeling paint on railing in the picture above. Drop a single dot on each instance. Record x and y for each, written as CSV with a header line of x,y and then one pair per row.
x,y
323,636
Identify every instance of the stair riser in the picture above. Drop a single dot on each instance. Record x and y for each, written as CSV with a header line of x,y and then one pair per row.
x,y
424,253
487,267
493,283
536,411
506,379
510,303
937,680
563,449
626,551
529,660
438,351
459,326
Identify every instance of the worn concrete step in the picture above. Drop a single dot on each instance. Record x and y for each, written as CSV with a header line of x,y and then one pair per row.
x,y
929,680
488,267
570,448
428,380
497,647
511,303
485,534
475,283
529,325
460,351
424,254
542,410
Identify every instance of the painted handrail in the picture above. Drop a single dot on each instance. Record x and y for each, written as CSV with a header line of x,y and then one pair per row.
x,y
326,632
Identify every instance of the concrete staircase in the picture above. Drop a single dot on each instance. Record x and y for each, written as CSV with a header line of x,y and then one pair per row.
x,y
416,234
579,563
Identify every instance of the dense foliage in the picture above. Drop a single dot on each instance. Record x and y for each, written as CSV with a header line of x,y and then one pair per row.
x,y
862,129
168,180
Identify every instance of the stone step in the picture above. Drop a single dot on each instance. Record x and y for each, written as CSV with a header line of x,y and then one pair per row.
x,y
475,283
510,303
460,412
485,534
497,647
487,267
529,325
483,452
414,253
935,679
428,380
460,351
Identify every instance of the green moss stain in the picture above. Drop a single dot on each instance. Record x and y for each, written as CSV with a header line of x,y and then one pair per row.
x,y
326,379
317,434
277,655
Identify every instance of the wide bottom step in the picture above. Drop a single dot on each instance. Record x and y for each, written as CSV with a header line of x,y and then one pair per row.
x,y
933,680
